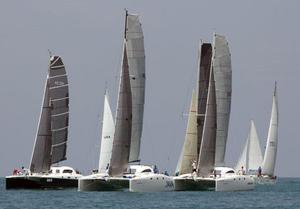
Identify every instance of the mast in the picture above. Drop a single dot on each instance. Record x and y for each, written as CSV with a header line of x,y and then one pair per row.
x,y
268,166
52,135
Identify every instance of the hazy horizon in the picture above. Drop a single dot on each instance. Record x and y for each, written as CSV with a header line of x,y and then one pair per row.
x,y
264,42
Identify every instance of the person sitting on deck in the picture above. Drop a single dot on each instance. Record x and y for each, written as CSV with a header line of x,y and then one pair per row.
x,y
155,169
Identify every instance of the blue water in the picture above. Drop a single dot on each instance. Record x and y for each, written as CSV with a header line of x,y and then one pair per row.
x,y
285,194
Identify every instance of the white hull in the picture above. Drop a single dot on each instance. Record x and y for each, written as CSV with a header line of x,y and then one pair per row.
x,y
151,182
234,183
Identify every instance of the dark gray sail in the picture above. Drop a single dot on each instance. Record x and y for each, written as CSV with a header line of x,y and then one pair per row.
x,y
206,160
122,137
204,61
51,139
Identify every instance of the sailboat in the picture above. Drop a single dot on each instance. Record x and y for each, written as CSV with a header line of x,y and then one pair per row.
x,y
251,158
269,162
210,120
93,182
51,139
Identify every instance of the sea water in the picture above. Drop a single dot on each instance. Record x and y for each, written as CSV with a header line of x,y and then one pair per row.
x,y
285,194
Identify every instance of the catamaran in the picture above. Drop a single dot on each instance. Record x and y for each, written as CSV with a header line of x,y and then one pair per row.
x,y
50,145
205,142
122,143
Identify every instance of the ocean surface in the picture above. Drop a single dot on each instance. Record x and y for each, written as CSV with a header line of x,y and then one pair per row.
x,y
284,195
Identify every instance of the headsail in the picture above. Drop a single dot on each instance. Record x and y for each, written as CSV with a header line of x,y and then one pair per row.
x,y
223,80
189,149
123,123
51,140
272,140
108,129
207,152
134,41
251,157
204,63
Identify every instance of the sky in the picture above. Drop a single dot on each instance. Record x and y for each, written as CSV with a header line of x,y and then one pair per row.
x,y
264,42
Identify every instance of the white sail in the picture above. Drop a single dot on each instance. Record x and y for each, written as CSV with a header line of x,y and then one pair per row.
x,y
251,157
108,130
134,40
189,150
52,135
268,166
221,63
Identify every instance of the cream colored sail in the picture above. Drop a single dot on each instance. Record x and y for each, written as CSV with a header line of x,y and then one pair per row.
x,y
189,151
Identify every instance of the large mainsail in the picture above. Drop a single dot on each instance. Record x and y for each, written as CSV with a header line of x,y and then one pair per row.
x,y
189,151
251,157
207,152
268,166
123,123
221,63
51,139
108,130
134,41
204,64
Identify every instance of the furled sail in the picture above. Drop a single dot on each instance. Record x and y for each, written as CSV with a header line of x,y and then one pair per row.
x,y
51,139
134,41
108,130
207,152
251,157
268,166
223,81
123,123
204,63
189,150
